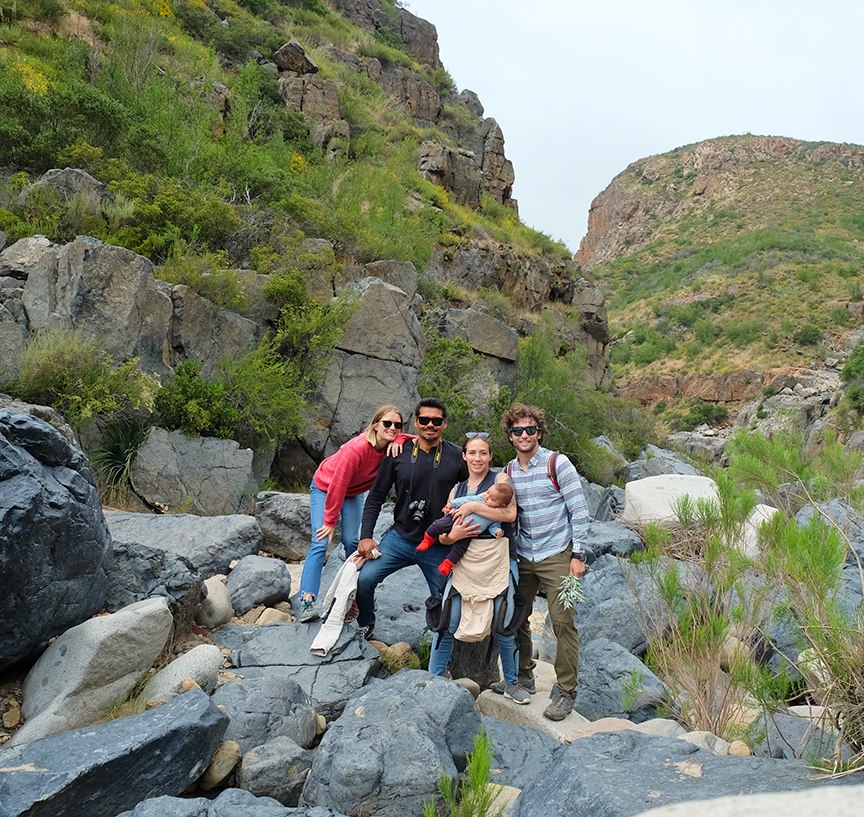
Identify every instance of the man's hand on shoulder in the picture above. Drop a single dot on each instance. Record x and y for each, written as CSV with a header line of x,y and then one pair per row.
x,y
365,547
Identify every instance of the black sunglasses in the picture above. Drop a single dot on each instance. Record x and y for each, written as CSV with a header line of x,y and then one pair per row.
x,y
517,432
436,421
397,424
472,434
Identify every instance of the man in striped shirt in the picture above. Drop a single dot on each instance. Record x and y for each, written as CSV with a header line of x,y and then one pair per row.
x,y
550,542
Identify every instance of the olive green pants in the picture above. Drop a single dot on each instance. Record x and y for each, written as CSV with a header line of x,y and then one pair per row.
x,y
547,576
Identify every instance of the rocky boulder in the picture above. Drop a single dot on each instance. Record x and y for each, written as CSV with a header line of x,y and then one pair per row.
x,y
166,555
293,57
69,183
203,475
103,770
411,715
285,523
258,580
90,667
55,547
228,802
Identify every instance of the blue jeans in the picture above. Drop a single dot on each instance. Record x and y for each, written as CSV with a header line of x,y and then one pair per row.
x,y
396,553
352,516
441,651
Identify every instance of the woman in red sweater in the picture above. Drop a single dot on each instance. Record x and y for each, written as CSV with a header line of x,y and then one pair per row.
x,y
340,484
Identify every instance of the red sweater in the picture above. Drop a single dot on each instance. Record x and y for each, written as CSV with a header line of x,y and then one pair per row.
x,y
349,472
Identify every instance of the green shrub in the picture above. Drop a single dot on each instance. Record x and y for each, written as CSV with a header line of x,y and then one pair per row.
x,y
808,335
208,274
65,370
113,457
196,407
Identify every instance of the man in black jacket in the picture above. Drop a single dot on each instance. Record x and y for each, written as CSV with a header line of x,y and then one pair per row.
x,y
422,476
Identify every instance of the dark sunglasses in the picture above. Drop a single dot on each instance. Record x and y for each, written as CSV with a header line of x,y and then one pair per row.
x,y
472,434
436,421
397,424
517,432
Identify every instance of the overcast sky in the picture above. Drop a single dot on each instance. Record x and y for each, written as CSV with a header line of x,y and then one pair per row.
x,y
583,89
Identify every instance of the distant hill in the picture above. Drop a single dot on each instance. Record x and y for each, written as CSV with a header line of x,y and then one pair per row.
x,y
741,252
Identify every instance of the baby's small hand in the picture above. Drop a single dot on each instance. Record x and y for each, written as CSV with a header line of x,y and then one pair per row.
x,y
499,533
447,509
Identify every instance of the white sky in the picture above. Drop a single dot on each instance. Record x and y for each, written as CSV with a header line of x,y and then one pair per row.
x,y
583,89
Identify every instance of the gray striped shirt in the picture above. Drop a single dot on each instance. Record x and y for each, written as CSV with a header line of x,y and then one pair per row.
x,y
548,519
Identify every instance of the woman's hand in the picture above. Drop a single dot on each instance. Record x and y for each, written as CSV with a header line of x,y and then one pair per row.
x,y
462,530
394,449
325,530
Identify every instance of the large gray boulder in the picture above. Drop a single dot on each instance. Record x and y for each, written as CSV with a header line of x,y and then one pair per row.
x,y
18,260
654,462
285,523
258,580
486,334
275,769
202,475
609,537
284,650
201,664
617,774
69,183
265,708
165,555
613,683
102,770
360,766
107,293
55,548
91,667
383,326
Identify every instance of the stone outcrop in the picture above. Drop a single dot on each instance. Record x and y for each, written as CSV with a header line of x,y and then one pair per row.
x,y
419,97
200,331
107,293
70,183
284,522
293,57
203,475
456,170
652,191
54,544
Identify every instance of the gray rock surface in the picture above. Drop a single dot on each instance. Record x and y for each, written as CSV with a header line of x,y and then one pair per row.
x,y
605,671
258,580
265,708
91,667
69,183
103,770
611,537
107,293
202,475
284,650
229,803
19,259
275,769
611,504
293,57
12,341
521,753
216,607
654,462
619,774
410,715
200,331
285,523
164,555
201,664
55,547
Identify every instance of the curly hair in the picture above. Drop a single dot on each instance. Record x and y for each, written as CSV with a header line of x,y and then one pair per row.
x,y
519,411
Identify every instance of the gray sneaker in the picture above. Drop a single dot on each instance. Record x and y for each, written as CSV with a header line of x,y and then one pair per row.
x,y
516,694
524,681
561,706
307,611
366,631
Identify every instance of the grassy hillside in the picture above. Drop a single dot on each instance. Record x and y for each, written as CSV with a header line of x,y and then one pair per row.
x,y
134,91
738,256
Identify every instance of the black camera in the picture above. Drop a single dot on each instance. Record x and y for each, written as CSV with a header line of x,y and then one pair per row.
x,y
418,510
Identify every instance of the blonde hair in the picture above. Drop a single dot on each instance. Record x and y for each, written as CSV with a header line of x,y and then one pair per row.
x,y
371,437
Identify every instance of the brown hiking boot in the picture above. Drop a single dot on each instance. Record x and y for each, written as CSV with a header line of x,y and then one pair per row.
x,y
561,706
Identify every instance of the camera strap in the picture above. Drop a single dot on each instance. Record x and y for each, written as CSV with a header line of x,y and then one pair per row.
x,y
435,463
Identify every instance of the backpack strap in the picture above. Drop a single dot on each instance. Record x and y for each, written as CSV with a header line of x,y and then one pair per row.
x,y
552,470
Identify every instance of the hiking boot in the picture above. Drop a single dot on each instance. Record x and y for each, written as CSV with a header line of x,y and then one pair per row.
x,y
561,706
366,631
516,694
524,681
307,611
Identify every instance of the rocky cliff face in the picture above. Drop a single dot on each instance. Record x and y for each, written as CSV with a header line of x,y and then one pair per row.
x,y
649,199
